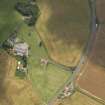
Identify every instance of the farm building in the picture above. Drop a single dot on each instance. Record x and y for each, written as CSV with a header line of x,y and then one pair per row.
x,y
21,49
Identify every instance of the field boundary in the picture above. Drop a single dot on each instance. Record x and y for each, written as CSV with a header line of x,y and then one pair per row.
x,y
51,60
85,92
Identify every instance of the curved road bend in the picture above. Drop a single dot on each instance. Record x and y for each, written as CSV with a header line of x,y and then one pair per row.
x,y
88,48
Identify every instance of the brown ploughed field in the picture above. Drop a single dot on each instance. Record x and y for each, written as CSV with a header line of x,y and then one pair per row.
x,y
92,76
14,91
64,26
100,10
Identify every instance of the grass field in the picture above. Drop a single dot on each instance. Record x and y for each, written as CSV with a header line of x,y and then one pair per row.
x,y
64,27
77,99
92,76
46,80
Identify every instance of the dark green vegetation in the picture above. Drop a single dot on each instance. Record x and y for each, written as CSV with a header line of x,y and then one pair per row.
x,y
31,11
20,74
6,45
9,18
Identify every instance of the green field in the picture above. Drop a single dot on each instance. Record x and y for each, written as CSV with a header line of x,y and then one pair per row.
x,y
46,80
8,18
64,26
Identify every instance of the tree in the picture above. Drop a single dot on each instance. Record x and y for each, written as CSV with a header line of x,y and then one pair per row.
x,y
28,10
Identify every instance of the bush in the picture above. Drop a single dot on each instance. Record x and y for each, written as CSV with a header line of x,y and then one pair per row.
x,y
20,74
24,61
6,45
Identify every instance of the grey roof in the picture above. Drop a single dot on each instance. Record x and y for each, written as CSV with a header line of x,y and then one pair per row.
x,y
21,49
